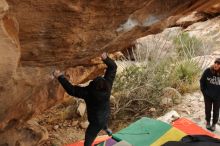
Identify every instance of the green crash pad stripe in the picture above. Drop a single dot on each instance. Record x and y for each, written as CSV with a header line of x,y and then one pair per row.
x,y
143,132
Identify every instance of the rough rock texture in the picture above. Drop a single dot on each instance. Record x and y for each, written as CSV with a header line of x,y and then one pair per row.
x,y
66,32
28,134
10,56
37,35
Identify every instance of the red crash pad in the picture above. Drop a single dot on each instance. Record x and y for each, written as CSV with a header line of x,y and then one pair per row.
x,y
191,128
97,141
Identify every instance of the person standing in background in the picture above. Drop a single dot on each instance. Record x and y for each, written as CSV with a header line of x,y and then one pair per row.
x,y
210,87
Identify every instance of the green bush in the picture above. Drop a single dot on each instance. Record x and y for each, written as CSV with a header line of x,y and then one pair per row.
x,y
185,74
140,88
129,78
187,46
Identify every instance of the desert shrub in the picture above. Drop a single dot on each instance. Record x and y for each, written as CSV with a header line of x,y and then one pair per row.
x,y
141,85
129,78
138,88
187,46
184,76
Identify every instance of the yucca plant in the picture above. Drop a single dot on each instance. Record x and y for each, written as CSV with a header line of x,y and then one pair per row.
x,y
185,73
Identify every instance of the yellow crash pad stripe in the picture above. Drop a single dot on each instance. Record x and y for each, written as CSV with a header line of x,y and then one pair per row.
x,y
171,135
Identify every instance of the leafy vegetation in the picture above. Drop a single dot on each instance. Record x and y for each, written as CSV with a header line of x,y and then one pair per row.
x,y
144,83
187,46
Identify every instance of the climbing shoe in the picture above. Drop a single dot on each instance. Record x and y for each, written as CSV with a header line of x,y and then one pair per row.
x,y
213,127
109,132
208,126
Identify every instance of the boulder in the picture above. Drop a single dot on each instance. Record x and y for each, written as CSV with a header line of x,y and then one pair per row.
x,y
29,134
169,117
170,96
81,109
84,125
38,36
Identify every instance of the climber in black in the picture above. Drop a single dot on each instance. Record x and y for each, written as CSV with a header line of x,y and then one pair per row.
x,y
97,98
210,87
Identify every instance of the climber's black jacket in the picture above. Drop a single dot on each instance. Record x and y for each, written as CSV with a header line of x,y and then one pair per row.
x,y
97,102
210,84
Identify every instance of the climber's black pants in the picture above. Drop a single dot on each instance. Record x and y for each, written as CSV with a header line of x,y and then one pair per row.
x,y
92,131
209,103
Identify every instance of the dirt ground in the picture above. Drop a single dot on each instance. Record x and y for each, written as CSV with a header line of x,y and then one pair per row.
x,y
192,107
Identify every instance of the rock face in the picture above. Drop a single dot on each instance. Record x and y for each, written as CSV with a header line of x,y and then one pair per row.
x,y
65,32
10,56
28,134
38,35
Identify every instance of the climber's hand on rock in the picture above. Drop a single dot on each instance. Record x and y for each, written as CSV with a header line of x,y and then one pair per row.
x,y
104,56
57,73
